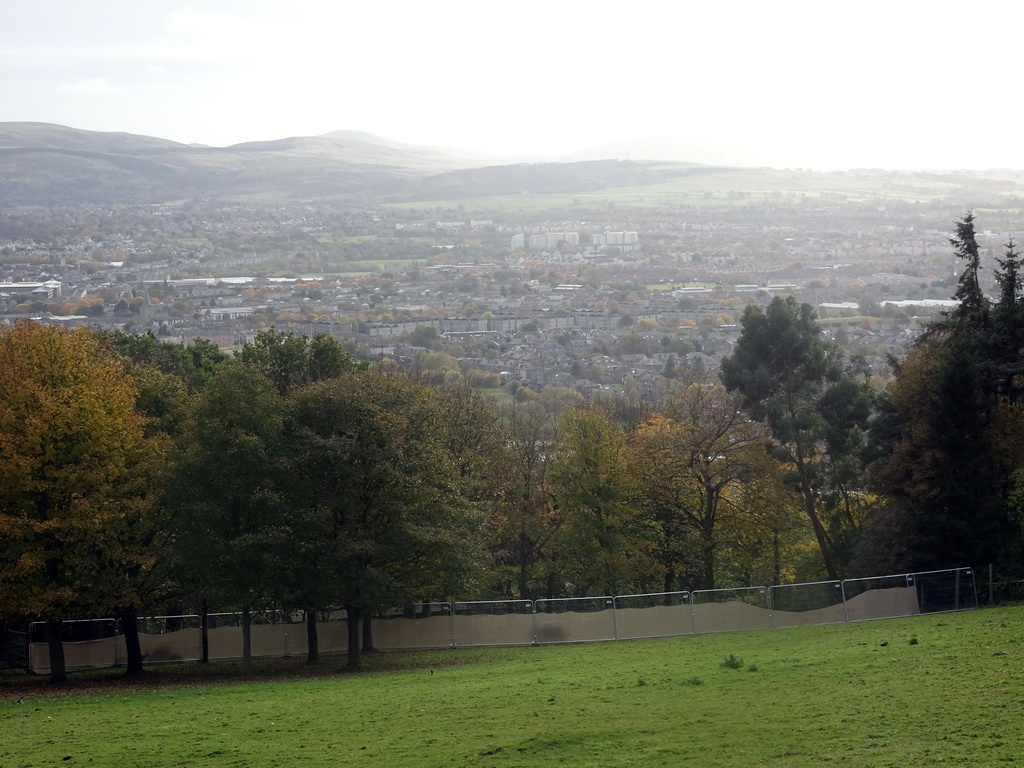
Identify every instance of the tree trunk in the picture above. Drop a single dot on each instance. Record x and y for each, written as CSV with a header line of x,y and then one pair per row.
x,y
367,632
820,534
204,633
524,568
707,561
55,642
667,585
312,637
810,509
128,616
776,558
246,641
707,536
354,612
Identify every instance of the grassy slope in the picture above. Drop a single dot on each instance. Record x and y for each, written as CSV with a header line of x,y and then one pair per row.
x,y
813,696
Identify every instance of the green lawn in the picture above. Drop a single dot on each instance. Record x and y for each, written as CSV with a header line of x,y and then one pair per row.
x,y
944,689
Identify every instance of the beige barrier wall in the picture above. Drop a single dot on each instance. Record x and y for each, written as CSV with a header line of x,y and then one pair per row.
x,y
331,636
575,627
397,633
883,604
731,616
265,639
226,642
831,614
180,645
86,654
485,629
296,643
656,621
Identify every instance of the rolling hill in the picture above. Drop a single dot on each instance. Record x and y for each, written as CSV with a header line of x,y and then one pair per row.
x,y
45,164
51,165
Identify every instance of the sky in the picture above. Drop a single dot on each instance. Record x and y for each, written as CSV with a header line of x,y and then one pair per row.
x,y
826,85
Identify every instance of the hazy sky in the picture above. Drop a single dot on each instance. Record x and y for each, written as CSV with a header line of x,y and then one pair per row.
x,y
823,84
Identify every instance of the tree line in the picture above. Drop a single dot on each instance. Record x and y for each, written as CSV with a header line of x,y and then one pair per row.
x,y
138,477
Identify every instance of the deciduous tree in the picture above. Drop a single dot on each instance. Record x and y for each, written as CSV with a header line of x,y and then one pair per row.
x,y
73,463
802,388
694,465
384,518
229,485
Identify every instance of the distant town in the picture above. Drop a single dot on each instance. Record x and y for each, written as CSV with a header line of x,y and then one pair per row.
x,y
589,303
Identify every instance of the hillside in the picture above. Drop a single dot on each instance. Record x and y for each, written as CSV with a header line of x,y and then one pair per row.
x,y
51,165
43,164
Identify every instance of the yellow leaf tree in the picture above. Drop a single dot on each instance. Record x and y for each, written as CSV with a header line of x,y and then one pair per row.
x,y
699,469
72,451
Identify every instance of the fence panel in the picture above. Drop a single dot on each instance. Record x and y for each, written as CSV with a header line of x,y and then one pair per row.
x,y
88,643
331,632
575,620
494,622
266,635
15,650
880,597
664,614
797,605
730,610
424,625
96,642
943,591
170,638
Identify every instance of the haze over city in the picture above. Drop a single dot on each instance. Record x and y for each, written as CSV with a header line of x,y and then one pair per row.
x,y
790,84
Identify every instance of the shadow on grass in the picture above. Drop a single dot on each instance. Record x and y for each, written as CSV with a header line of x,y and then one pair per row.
x,y
15,684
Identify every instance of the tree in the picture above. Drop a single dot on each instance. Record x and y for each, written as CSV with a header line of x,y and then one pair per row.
x,y
292,361
598,549
1008,327
73,462
523,520
234,536
193,363
424,336
973,309
694,464
945,439
799,384
383,522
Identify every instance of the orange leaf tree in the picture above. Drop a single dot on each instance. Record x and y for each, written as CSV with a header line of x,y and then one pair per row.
x,y
72,456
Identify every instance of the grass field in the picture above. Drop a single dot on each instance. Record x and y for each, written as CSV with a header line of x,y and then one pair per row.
x,y
935,690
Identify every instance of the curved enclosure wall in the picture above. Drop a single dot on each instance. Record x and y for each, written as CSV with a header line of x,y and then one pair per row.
x,y
98,642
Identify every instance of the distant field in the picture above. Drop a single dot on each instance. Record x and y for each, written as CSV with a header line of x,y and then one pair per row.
x,y
385,263
941,689
715,187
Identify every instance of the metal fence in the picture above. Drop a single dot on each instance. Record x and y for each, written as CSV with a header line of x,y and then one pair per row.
x,y
98,643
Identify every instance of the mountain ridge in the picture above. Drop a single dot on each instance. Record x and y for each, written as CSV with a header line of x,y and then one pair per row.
x,y
50,164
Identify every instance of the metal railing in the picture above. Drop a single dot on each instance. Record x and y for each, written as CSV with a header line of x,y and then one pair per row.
x,y
96,643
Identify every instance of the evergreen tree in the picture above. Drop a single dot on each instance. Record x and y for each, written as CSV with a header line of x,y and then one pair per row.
x,y
973,310
941,463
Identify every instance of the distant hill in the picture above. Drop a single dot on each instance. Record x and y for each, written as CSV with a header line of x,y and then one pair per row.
x,y
45,164
703,151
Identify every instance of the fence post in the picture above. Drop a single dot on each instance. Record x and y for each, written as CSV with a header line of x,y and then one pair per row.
x,y
533,613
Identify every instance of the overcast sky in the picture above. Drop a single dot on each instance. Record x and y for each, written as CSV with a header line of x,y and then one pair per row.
x,y
822,84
